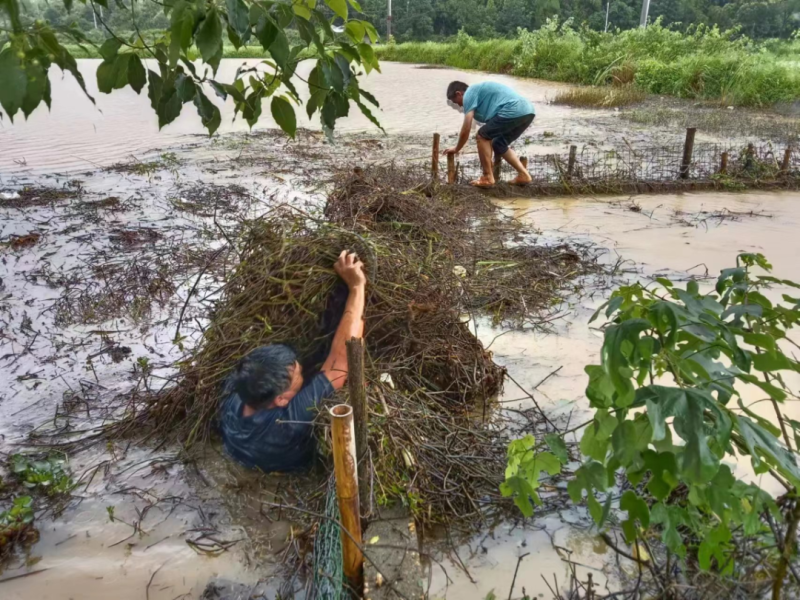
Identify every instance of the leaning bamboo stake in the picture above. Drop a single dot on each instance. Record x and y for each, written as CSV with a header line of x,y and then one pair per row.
x,y
496,167
723,164
787,159
573,154
524,161
358,400
451,168
435,157
345,467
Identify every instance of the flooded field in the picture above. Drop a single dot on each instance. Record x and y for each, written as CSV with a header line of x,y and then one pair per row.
x,y
75,322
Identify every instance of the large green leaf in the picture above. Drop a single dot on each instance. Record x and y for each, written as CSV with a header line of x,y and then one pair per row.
x,y
339,7
209,38
14,82
239,18
208,112
763,445
557,446
283,113
618,346
589,477
637,509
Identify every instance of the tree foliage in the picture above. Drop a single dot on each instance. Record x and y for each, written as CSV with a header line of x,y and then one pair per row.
x,y
669,412
288,31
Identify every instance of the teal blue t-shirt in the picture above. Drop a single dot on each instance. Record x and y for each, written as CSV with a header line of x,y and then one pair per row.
x,y
491,99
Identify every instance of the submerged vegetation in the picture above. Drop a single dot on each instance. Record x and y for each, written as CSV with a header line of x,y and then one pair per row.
x,y
604,97
703,63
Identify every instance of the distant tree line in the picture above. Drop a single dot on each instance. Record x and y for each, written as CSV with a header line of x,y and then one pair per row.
x,y
439,19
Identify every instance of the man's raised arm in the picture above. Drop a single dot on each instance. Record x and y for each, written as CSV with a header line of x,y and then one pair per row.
x,y
351,270
463,135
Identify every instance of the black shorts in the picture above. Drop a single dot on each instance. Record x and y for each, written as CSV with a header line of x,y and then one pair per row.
x,y
504,132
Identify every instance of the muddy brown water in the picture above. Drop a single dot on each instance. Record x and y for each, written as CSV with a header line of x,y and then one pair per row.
x,y
83,554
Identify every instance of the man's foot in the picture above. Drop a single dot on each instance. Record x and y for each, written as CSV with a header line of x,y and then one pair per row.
x,y
483,182
522,179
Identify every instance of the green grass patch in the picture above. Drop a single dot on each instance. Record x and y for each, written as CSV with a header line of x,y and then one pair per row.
x,y
704,63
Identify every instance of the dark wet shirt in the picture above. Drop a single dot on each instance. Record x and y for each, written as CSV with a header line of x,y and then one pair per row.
x,y
261,441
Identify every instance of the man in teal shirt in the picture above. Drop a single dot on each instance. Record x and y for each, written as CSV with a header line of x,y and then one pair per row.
x,y
505,114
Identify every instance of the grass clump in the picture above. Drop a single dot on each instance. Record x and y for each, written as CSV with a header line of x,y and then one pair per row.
x,y
601,97
702,63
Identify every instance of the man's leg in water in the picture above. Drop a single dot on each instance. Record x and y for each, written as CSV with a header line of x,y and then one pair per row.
x,y
523,176
485,155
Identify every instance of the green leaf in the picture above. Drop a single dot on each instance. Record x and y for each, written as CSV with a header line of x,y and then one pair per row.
x,y
182,22
185,88
14,82
283,113
208,112
663,467
595,440
629,439
339,7
590,476
368,113
615,361
600,390
356,5
371,31
714,545
110,48
762,445
239,18
773,361
368,57
637,509
557,446
209,39
37,88
136,74
266,30
279,50
670,517
355,31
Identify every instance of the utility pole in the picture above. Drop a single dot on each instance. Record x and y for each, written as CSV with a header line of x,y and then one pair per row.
x,y
389,22
608,5
645,11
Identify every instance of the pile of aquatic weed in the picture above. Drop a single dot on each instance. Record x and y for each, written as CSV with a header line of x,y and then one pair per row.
x,y
435,442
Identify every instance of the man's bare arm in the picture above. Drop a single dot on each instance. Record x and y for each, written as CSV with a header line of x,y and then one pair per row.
x,y
463,135
351,270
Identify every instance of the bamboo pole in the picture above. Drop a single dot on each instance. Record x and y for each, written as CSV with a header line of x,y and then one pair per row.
x,y
345,467
498,162
358,400
435,157
573,152
723,163
688,148
451,168
524,161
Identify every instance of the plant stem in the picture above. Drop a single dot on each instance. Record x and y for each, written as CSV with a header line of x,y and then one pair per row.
x,y
790,542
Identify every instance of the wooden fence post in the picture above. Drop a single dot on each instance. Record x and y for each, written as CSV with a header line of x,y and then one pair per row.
x,y
451,168
723,163
498,163
345,467
787,159
749,157
435,157
524,161
688,147
573,153
358,400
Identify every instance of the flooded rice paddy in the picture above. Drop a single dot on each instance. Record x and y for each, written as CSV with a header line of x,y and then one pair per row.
x,y
142,521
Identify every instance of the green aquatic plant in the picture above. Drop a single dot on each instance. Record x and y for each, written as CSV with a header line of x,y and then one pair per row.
x,y
48,474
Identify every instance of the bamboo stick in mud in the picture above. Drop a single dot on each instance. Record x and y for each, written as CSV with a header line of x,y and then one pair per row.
x,y
435,157
346,470
573,153
787,159
723,163
358,400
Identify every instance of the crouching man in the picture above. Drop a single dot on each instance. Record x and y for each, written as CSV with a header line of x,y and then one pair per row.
x,y
266,415
505,114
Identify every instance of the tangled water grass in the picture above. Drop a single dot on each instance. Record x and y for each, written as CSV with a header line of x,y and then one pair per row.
x,y
704,63
436,256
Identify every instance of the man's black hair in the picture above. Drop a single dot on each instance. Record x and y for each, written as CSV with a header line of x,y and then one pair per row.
x,y
455,86
264,374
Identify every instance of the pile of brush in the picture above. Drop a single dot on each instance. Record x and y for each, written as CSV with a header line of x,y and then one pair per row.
x,y
435,442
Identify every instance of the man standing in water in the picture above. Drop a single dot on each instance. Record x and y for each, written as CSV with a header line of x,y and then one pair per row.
x,y
505,114
267,407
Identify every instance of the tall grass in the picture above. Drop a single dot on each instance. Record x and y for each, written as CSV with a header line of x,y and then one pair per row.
x,y
705,63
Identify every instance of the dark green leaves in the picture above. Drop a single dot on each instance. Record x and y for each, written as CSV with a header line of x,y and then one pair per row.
x,y
14,82
238,18
637,511
523,471
209,39
208,112
283,113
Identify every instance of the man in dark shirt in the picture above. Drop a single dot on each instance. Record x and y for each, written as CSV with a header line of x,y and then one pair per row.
x,y
268,408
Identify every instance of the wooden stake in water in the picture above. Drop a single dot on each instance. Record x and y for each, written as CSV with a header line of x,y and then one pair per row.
x,y
435,157
723,163
573,154
345,467
787,159
451,168
688,148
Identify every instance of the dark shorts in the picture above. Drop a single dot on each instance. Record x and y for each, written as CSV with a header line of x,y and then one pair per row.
x,y
504,132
